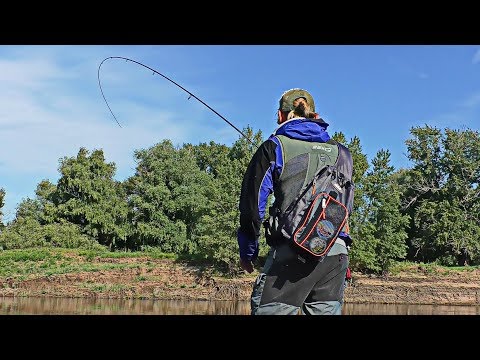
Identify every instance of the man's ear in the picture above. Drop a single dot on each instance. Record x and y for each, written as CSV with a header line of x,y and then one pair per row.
x,y
281,117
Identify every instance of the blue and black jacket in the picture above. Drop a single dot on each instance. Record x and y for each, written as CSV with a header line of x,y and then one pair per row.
x,y
261,175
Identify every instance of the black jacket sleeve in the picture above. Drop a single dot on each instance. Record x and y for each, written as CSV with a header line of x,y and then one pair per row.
x,y
252,195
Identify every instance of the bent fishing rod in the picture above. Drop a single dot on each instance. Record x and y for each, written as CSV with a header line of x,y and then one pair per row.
x,y
165,77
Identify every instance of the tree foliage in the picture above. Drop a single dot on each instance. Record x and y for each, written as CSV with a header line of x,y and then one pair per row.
x,y
88,196
443,195
217,227
362,255
184,200
165,197
27,232
2,204
383,211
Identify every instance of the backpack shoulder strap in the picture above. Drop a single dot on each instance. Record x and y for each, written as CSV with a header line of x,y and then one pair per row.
x,y
345,161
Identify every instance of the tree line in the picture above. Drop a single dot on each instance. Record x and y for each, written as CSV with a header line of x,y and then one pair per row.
x,y
184,200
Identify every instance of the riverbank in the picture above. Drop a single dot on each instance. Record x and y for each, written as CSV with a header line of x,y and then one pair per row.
x,y
74,274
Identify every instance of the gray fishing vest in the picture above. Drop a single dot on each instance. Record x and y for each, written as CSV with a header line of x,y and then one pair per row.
x,y
314,191
301,160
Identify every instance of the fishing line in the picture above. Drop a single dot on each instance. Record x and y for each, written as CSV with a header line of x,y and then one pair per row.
x,y
173,82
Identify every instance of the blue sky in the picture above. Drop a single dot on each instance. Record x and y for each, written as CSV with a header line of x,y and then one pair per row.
x,y
51,104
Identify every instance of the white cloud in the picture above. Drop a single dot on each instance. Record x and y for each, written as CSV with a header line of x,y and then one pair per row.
x,y
472,101
465,115
476,57
51,105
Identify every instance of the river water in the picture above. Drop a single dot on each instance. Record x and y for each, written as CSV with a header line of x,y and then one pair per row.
x,y
69,306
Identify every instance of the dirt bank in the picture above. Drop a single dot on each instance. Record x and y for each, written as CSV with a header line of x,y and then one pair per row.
x,y
167,279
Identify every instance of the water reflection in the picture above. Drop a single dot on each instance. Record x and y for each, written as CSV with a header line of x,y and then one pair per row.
x,y
407,309
68,306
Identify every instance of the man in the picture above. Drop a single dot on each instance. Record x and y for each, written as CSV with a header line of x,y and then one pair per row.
x,y
290,282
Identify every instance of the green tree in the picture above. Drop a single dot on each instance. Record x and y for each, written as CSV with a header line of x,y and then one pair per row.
x,y
460,226
383,211
422,184
38,223
42,208
165,196
22,233
362,255
2,204
87,195
442,194
26,231
217,229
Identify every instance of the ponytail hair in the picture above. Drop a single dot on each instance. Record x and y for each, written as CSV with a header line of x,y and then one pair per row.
x,y
301,109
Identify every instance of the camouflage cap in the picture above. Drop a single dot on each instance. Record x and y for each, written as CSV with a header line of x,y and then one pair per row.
x,y
289,96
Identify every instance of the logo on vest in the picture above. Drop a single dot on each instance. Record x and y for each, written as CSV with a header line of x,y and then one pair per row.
x,y
320,147
325,229
317,245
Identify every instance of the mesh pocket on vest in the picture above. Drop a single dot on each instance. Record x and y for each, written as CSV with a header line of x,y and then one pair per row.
x,y
321,224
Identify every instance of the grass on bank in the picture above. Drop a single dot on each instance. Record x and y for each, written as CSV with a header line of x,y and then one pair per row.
x,y
21,263
429,269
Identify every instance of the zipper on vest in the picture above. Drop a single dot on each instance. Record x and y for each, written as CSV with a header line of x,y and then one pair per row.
x,y
324,205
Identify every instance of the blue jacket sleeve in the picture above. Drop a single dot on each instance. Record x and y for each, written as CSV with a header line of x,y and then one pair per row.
x,y
248,247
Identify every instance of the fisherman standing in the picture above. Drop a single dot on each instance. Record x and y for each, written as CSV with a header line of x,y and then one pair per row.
x,y
290,283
